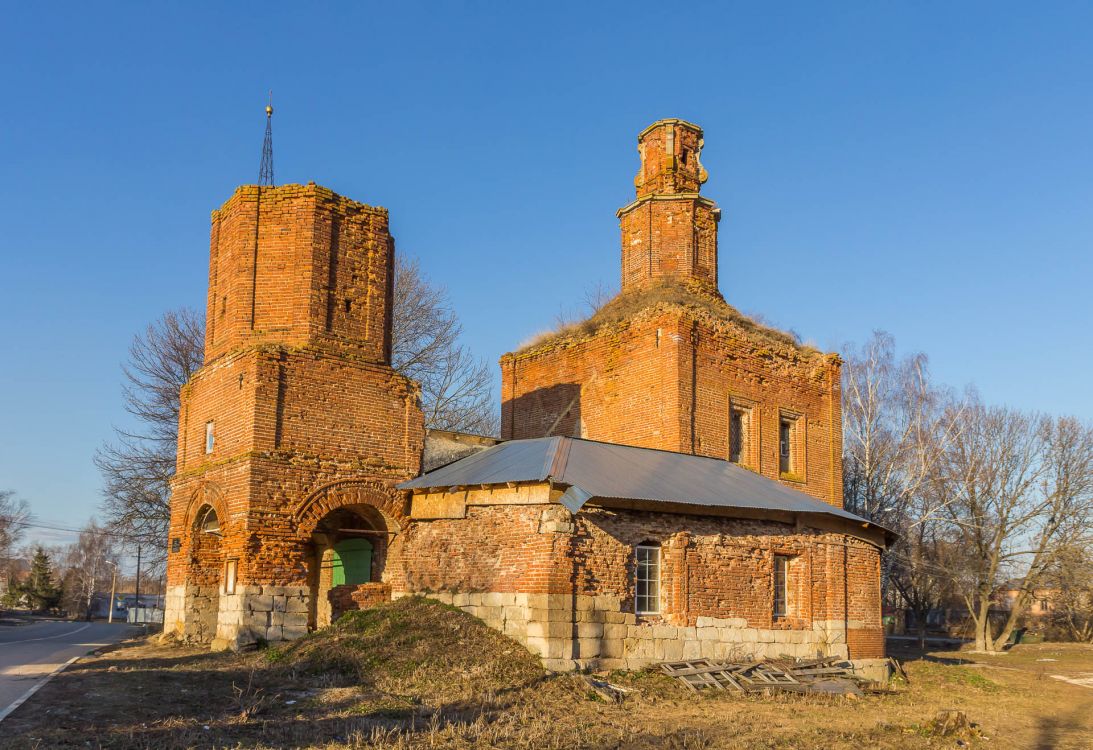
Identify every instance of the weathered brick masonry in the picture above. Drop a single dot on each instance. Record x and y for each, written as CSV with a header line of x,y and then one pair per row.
x,y
664,365
295,414
295,432
563,584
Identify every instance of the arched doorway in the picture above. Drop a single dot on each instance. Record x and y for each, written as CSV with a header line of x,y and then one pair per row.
x,y
206,565
349,548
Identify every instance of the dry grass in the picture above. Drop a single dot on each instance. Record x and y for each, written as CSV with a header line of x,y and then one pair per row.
x,y
693,298
414,674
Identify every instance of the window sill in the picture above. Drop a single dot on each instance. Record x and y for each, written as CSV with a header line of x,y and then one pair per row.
x,y
790,476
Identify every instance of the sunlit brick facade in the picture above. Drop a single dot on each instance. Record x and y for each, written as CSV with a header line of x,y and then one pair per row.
x,y
295,433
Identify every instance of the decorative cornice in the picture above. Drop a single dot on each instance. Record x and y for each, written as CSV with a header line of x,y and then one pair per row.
x,y
699,199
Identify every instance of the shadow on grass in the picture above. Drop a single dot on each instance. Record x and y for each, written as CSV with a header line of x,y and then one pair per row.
x,y
1052,730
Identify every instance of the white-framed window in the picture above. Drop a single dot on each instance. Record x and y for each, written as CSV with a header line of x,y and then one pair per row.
x,y
210,437
782,564
647,579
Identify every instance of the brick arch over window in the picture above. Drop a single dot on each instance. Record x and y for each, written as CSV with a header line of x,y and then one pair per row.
x,y
391,503
207,493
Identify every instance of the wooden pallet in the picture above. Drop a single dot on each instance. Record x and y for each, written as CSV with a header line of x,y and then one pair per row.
x,y
784,675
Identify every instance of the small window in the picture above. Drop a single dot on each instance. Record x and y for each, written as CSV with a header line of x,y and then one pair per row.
x,y
230,569
781,586
787,426
739,429
647,580
209,437
685,156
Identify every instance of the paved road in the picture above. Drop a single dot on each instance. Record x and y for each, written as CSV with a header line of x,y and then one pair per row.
x,y
29,653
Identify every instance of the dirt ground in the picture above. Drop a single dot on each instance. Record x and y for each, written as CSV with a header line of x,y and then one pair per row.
x,y
367,688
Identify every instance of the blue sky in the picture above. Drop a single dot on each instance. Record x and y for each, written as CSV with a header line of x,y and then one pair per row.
x,y
918,167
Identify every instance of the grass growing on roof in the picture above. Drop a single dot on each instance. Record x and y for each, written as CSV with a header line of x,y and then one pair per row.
x,y
692,297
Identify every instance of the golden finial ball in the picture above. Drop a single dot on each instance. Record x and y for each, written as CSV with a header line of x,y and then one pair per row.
x,y
269,110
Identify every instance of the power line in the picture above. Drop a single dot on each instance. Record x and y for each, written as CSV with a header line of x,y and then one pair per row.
x,y
32,525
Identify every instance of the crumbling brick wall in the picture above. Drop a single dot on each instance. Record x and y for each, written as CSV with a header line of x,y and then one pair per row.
x,y
666,371
306,413
713,569
667,378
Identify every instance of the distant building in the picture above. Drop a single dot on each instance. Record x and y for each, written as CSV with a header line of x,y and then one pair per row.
x,y
669,484
124,604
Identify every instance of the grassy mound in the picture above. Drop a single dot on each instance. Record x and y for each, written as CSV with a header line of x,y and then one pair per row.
x,y
411,647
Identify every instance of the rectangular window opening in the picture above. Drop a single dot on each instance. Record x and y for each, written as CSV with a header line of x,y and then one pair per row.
x,y
739,429
647,580
230,569
782,565
787,426
210,439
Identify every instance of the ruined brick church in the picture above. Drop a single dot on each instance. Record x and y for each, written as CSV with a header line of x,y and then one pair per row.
x,y
668,483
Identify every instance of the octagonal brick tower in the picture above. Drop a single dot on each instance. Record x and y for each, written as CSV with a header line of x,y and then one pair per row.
x,y
296,428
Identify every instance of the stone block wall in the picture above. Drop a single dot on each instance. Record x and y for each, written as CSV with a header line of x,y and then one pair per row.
x,y
267,613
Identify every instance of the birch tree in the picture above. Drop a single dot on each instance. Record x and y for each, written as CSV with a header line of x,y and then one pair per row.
x,y
897,425
89,563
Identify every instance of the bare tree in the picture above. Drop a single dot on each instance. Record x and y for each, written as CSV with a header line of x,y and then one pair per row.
x,y
1069,586
137,467
14,514
456,388
595,297
896,427
1019,488
89,562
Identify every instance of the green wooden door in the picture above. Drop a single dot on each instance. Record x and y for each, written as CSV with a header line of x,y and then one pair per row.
x,y
351,562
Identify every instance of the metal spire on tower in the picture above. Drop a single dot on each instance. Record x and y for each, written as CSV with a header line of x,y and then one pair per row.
x,y
265,172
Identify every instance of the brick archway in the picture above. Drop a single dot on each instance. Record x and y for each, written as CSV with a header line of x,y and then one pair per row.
x,y
342,510
384,498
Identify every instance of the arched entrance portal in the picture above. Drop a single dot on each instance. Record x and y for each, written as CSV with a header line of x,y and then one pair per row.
x,y
349,549
206,564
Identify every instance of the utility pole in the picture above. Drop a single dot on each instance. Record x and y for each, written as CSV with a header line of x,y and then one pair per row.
x,y
137,593
113,591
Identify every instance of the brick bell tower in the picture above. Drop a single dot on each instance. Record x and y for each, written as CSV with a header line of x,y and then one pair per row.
x,y
670,231
293,433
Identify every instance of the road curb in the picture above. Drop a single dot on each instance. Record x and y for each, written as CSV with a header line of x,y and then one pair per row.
x,y
35,688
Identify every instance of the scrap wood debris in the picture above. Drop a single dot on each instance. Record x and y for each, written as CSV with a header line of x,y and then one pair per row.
x,y
827,675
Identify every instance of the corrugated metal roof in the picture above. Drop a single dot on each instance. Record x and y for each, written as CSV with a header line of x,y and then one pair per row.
x,y
592,469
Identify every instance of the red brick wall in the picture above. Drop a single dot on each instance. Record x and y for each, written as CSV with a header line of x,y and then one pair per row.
x,y
669,231
666,378
295,265
620,386
352,597
711,566
495,548
667,375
